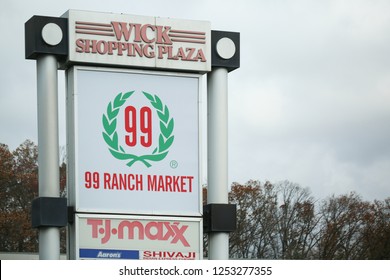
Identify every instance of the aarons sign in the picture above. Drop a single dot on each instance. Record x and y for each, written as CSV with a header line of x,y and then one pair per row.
x,y
139,41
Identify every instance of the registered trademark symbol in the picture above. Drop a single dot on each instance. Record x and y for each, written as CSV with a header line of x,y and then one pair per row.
x,y
174,164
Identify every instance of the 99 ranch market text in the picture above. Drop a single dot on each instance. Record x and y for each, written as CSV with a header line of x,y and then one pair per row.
x,y
138,182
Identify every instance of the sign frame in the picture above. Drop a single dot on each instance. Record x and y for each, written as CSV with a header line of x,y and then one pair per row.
x,y
164,253
73,139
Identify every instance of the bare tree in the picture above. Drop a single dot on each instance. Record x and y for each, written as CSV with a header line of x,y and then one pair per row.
x,y
19,183
244,196
297,222
376,233
265,222
18,187
345,218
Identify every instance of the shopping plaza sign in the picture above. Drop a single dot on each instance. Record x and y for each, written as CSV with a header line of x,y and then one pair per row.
x,y
133,129
138,41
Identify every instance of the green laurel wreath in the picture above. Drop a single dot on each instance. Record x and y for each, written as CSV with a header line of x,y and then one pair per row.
x,y
111,136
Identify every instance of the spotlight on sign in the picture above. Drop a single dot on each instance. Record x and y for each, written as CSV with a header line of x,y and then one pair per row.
x,y
46,35
225,49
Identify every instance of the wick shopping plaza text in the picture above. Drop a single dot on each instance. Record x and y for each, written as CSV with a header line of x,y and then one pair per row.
x,y
132,40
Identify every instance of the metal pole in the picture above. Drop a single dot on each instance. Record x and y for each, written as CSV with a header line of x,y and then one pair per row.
x,y
217,144
48,150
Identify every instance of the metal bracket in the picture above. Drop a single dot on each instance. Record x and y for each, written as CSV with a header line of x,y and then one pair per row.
x,y
219,218
71,213
46,35
49,212
225,49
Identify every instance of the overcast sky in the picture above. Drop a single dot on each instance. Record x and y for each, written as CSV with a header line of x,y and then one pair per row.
x,y
310,102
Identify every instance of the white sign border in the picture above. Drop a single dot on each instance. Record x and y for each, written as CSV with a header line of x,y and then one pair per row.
x,y
72,129
78,216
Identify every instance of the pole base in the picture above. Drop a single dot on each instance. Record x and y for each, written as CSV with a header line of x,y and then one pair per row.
x,y
49,212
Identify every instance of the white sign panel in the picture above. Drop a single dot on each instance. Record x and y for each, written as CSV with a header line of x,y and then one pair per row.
x,y
133,142
132,237
139,41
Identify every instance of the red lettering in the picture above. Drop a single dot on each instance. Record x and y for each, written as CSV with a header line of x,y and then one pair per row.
x,y
131,126
179,234
130,229
180,54
190,53
121,30
146,126
158,254
92,179
80,45
101,46
94,223
162,35
88,46
122,47
165,50
114,182
106,231
147,53
107,181
170,183
131,182
158,229
140,40
200,56
147,254
168,255
182,184
152,183
138,49
112,46
137,33
162,231
190,178
176,183
161,185
144,33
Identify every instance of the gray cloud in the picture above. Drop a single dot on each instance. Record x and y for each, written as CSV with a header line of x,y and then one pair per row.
x,y
310,102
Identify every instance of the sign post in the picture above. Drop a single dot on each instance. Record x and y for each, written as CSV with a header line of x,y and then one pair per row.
x,y
221,216
218,155
48,151
46,42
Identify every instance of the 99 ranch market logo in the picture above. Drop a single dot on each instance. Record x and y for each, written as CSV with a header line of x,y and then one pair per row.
x,y
138,121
